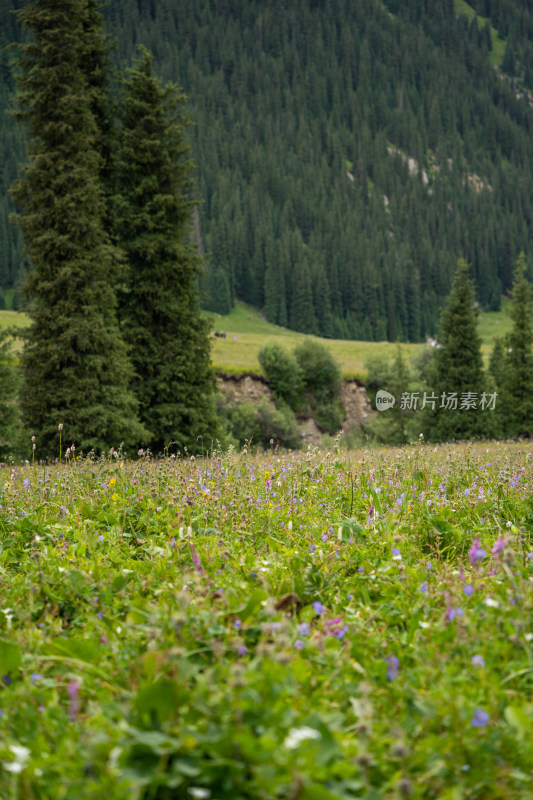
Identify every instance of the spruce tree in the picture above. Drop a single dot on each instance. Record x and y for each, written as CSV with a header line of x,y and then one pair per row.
x,y
517,371
159,313
457,375
9,384
75,366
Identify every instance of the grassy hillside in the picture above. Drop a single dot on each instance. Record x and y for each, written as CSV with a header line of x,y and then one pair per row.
x,y
498,44
247,331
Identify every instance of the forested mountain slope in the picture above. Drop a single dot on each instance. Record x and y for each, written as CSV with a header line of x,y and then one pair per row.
x,y
348,153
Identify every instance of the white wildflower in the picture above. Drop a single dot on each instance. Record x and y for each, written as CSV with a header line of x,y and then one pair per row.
x,y
298,735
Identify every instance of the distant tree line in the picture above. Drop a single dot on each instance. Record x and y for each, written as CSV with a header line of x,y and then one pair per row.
x,y
305,116
447,395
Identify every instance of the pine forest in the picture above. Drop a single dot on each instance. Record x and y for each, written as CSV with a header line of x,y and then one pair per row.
x,y
347,154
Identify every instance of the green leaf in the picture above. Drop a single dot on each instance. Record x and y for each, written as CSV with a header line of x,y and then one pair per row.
x,y
80,649
350,527
160,698
10,657
518,718
375,498
254,603
119,582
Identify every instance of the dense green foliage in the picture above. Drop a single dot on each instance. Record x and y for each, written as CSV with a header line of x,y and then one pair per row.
x,y
158,305
308,380
326,628
283,373
401,423
74,363
258,426
321,378
9,387
456,374
305,115
515,362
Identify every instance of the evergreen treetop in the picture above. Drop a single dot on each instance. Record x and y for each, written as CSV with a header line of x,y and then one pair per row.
x,y
458,366
75,367
159,307
517,369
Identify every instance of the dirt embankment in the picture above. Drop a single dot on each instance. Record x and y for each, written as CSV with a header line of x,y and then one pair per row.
x,y
249,388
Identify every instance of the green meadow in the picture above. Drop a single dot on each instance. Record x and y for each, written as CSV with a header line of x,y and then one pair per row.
x,y
247,331
320,626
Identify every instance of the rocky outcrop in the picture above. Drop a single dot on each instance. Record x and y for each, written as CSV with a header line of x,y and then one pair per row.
x,y
245,388
250,388
357,404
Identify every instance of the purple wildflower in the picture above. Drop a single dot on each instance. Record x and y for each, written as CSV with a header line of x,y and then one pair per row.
x,y
304,629
423,587
498,547
453,613
478,661
238,624
74,703
299,645
336,628
392,669
476,552
469,589
480,718
242,650
318,608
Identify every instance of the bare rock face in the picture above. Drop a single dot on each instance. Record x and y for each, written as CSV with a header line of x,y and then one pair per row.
x,y
245,388
249,388
311,430
357,404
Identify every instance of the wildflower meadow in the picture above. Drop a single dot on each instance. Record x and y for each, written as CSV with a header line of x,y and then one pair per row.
x,y
320,626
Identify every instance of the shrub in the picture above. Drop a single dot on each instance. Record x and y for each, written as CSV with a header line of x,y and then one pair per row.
x,y
259,424
283,374
320,372
278,424
323,383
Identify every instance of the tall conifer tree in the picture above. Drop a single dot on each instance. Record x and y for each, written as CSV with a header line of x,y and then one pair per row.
x,y
75,364
9,381
458,367
517,369
159,305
